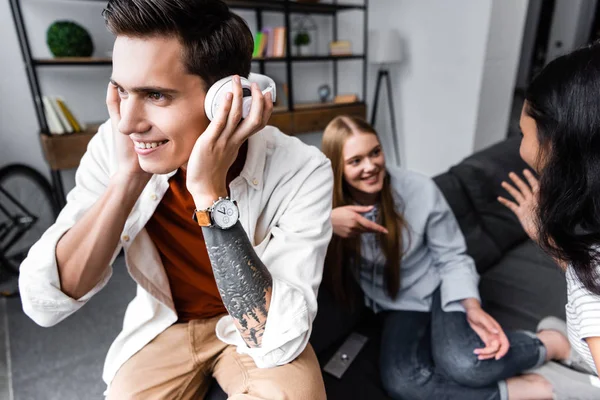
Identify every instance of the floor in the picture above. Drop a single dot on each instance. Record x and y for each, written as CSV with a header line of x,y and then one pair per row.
x,y
63,362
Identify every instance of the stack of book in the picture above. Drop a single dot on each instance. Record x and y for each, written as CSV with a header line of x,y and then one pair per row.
x,y
59,117
270,42
340,48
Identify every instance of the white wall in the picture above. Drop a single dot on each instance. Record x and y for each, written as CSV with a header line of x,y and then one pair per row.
x,y
436,91
503,52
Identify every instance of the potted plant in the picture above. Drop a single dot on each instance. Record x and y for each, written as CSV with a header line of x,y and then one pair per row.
x,y
69,39
301,41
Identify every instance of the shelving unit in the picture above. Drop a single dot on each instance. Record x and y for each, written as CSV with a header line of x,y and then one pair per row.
x,y
65,151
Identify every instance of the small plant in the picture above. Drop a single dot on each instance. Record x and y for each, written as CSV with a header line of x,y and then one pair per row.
x,y
302,39
69,39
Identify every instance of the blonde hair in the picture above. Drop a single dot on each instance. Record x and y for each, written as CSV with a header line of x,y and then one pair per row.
x,y
344,254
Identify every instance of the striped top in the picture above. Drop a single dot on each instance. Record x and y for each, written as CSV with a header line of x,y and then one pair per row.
x,y
583,316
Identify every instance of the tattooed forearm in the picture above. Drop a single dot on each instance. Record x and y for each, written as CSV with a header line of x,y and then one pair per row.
x,y
244,282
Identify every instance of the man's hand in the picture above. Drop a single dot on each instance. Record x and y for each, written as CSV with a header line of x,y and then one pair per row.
x,y
489,331
129,165
347,222
526,200
217,148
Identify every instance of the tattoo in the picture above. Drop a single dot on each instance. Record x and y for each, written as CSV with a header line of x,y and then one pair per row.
x,y
243,280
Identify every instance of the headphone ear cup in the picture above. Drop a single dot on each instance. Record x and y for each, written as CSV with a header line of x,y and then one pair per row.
x,y
246,104
214,96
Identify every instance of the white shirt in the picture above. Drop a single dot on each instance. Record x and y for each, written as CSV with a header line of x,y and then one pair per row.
x,y
583,316
284,197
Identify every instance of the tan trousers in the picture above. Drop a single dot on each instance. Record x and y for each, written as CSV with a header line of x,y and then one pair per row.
x,y
179,363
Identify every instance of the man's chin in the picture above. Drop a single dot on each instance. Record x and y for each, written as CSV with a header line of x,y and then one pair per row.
x,y
157,169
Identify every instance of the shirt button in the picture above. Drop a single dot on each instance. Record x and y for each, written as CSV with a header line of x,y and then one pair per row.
x,y
255,181
153,196
125,238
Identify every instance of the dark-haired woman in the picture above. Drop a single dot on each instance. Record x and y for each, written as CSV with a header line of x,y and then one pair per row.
x,y
560,123
396,237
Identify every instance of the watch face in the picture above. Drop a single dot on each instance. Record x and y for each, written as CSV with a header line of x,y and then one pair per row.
x,y
225,214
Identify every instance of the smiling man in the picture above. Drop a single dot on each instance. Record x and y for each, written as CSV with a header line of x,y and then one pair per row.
x,y
229,293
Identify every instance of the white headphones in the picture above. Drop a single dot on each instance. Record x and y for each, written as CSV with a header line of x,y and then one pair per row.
x,y
217,91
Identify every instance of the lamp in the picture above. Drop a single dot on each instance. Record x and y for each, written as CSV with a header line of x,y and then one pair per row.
x,y
386,49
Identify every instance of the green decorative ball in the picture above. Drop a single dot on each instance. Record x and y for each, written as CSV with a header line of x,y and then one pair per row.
x,y
68,39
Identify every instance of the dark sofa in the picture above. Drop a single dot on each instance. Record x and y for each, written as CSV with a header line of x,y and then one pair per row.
x,y
519,284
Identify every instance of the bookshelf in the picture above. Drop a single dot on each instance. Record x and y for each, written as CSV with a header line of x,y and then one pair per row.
x,y
64,152
64,61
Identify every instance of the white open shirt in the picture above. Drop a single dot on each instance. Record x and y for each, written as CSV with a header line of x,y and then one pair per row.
x,y
284,195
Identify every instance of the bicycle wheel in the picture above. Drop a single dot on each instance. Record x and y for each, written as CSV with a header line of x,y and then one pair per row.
x,y
26,211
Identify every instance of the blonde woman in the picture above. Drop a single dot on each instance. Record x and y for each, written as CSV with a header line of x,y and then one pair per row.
x,y
395,235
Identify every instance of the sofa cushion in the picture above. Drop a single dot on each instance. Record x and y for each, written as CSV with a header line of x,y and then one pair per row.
x,y
471,188
525,286
480,245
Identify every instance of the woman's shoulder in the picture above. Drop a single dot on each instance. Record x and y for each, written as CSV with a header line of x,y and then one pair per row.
x,y
409,183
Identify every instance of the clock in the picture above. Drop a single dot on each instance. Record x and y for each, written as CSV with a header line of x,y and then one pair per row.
x,y
324,92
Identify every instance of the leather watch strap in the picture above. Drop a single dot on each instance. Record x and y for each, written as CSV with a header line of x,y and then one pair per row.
x,y
202,217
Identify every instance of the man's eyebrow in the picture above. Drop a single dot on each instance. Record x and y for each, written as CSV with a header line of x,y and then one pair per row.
x,y
148,89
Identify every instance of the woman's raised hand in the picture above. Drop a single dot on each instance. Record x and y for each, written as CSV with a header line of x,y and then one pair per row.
x,y
348,222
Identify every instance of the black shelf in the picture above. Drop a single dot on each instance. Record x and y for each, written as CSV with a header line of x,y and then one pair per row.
x,y
279,5
328,58
71,61
85,61
294,6
310,58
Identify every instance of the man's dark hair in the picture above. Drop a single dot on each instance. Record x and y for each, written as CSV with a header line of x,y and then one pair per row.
x,y
216,42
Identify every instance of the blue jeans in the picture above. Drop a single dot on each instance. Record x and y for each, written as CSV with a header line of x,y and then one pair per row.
x,y
429,355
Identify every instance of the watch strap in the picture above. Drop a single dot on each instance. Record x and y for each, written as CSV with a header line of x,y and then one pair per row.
x,y
202,217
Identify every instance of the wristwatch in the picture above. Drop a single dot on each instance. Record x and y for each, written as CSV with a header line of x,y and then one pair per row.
x,y
223,214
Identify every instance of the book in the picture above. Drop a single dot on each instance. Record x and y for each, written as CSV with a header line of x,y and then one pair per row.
x,y
345,98
340,48
54,125
263,45
279,44
268,32
258,38
69,115
61,116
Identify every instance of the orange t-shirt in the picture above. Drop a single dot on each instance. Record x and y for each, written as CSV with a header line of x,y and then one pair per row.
x,y
180,242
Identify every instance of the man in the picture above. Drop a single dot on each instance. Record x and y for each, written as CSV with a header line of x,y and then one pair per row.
x,y
235,301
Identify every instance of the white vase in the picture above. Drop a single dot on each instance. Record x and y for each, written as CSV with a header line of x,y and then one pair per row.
x,y
302,50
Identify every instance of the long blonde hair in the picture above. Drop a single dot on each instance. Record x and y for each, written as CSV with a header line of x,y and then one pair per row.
x,y
343,255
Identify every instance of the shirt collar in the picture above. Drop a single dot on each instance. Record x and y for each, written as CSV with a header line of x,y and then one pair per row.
x,y
254,167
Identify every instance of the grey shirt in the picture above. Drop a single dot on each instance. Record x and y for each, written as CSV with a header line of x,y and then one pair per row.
x,y
434,251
